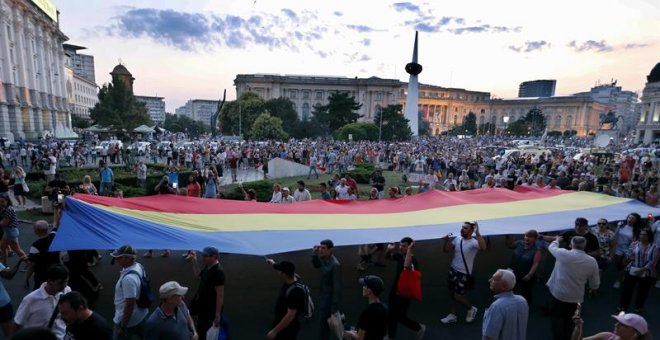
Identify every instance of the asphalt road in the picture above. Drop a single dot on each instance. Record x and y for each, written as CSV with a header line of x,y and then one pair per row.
x,y
252,287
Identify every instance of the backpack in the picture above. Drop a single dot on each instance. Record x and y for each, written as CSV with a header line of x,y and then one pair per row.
x,y
146,296
308,306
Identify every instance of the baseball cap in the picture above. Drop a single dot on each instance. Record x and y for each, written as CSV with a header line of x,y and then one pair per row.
x,y
634,321
374,283
125,250
285,267
210,251
171,288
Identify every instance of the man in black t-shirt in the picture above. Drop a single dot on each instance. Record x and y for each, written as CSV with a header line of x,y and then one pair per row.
x,y
209,300
372,324
290,303
81,322
582,229
40,259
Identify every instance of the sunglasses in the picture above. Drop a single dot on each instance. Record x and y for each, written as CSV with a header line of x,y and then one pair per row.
x,y
602,223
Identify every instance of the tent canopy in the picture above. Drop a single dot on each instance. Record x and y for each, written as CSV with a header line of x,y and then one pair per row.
x,y
97,128
182,223
143,129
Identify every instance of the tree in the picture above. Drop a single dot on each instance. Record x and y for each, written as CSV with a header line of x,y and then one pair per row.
x,y
518,128
470,124
242,112
340,110
118,108
359,131
180,123
79,122
308,129
394,125
284,109
487,129
535,121
423,128
267,127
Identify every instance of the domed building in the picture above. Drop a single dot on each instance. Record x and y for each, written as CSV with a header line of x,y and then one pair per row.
x,y
648,129
120,72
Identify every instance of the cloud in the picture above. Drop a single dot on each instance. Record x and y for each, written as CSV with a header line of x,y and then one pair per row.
x,y
366,42
590,45
485,28
454,25
631,46
406,6
362,28
285,29
530,46
338,13
364,57
353,57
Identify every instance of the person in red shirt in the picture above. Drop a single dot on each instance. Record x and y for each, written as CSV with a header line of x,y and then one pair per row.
x,y
624,173
193,188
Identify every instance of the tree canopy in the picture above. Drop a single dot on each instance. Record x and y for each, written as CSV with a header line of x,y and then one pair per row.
x,y
266,126
284,109
470,124
423,127
118,108
241,113
180,123
394,126
340,110
358,131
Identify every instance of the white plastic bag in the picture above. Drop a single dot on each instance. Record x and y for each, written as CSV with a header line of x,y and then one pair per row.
x,y
336,323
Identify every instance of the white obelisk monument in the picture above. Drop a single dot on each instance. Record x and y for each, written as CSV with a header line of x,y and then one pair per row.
x,y
412,111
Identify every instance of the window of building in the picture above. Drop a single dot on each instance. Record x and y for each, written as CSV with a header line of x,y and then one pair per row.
x,y
483,111
379,95
569,121
293,94
493,119
319,95
305,112
558,121
305,94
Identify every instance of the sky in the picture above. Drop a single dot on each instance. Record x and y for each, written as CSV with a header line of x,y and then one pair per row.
x,y
185,50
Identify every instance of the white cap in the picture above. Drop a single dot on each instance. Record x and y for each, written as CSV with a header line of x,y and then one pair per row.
x,y
171,288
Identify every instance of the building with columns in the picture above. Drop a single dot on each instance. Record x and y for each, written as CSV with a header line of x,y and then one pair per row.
x,y
443,108
306,91
648,128
33,99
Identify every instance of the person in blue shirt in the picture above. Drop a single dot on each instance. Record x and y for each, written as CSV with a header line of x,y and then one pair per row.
x,y
107,179
507,317
173,176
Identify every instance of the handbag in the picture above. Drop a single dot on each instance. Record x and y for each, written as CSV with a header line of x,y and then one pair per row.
x,y
410,284
469,279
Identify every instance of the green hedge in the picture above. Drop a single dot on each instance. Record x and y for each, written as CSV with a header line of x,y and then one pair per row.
x,y
263,188
362,173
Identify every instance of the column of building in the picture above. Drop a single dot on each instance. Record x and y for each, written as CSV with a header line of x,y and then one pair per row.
x,y
5,68
16,119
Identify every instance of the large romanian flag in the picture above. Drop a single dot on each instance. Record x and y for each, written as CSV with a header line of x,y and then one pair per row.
x,y
182,223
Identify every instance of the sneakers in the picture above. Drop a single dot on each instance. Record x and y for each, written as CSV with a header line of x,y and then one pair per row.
x,y
616,284
451,318
420,333
471,314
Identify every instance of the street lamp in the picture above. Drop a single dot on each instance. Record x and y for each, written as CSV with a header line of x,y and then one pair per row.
x,y
506,123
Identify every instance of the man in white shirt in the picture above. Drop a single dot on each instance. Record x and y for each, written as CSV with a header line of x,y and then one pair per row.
x,y
342,190
49,172
573,269
302,194
286,197
464,250
39,308
129,318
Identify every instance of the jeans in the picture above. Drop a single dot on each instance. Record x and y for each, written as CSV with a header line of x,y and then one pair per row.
x,y
105,189
312,168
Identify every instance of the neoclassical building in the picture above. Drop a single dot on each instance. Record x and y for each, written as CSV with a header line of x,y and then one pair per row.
x,y
306,91
444,108
33,100
648,128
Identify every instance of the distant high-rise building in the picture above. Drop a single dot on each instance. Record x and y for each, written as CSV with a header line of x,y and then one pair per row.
x,y
200,110
537,88
82,64
155,107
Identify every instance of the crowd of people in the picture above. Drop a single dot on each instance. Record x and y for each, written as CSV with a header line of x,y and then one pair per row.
x,y
63,288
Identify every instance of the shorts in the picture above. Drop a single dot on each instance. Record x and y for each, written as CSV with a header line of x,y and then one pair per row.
x,y
6,313
456,281
11,233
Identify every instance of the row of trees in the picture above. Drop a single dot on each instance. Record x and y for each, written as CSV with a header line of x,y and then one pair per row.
x,y
533,123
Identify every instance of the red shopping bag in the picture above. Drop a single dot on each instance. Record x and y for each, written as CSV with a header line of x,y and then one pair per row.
x,y
410,285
